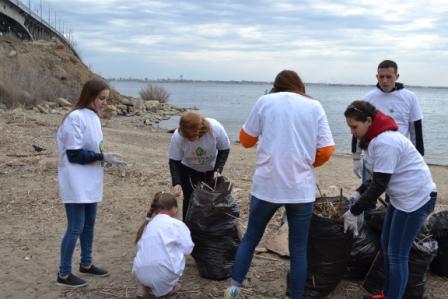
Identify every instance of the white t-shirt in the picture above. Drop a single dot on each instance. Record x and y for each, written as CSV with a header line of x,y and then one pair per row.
x,y
401,105
160,258
290,128
78,183
411,181
200,154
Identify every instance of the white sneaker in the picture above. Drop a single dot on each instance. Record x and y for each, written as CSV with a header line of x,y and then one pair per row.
x,y
232,292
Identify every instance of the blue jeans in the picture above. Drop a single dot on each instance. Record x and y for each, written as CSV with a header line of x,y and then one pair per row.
x,y
80,224
399,231
299,218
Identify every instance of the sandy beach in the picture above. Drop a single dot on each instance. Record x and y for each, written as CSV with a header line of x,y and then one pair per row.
x,y
33,218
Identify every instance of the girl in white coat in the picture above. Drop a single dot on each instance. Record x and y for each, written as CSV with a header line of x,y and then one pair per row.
x,y
162,244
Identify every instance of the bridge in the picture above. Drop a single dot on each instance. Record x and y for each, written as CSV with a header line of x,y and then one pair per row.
x,y
18,20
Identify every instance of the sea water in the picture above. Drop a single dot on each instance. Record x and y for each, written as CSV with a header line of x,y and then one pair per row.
x,y
230,103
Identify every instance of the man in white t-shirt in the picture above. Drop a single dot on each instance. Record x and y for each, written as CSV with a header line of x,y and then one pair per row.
x,y
391,98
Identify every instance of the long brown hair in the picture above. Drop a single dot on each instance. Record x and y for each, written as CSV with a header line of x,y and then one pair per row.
x,y
193,122
90,91
288,80
161,201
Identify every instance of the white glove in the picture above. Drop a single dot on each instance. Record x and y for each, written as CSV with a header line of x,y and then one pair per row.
x,y
352,222
177,190
357,167
354,197
216,175
114,159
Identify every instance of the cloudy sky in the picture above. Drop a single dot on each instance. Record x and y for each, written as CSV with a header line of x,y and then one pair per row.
x,y
324,41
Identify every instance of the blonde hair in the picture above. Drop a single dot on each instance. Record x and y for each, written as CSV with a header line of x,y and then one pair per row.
x,y
161,201
192,122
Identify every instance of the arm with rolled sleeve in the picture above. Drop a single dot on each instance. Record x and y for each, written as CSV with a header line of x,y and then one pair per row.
x,y
325,143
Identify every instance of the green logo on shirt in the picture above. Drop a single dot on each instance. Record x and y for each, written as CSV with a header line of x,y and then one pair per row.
x,y
200,151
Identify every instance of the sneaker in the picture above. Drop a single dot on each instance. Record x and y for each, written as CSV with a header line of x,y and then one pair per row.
x,y
71,281
375,296
94,271
232,292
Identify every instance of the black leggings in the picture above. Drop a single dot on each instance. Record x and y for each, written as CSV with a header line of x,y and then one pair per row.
x,y
190,178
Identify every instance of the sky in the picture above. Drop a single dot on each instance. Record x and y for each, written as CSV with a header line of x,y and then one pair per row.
x,y
323,41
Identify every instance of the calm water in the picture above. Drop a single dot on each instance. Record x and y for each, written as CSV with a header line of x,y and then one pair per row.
x,y
230,103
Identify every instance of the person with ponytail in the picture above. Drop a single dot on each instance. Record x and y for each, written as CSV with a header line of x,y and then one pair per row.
x,y
162,242
397,168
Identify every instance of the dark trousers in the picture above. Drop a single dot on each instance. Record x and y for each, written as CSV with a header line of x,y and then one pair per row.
x,y
189,179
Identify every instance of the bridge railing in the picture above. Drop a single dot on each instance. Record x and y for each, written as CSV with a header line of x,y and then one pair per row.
x,y
40,19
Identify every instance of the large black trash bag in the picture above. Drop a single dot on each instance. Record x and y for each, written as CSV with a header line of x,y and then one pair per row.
x,y
328,253
375,218
364,249
438,226
421,255
212,218
439,265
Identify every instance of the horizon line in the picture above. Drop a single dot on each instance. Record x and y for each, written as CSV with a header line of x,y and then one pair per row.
x,y
169,80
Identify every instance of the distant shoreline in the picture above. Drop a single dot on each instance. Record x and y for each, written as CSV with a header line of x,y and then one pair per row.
x,y
137,80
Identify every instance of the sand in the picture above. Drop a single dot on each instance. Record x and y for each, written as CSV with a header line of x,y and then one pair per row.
x,y
33,219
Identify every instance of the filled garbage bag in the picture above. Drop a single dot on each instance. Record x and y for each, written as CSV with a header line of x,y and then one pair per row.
x,y
438,224
375,218
328,248
421,255
439,265
364,249
212,218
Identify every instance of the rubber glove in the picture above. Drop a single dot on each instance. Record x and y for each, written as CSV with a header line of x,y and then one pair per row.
x,y
352,222
177,190
354,197
115,159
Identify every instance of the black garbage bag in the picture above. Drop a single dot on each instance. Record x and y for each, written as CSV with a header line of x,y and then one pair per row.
x,y
212,218
438,224
364,249
439,265
375,218
421,255
328,251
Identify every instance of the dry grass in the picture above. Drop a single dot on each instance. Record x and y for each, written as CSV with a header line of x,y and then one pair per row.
x,y
154,93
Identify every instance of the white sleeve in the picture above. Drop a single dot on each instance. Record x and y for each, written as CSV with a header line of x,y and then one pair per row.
x,y
385,157
73,132
175,151
252,126
324,136
222,139
415,112
184,238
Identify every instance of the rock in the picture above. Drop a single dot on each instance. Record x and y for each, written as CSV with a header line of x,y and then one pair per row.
x,y
41,109
63,102
127,102
12,53
25,97
140,104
